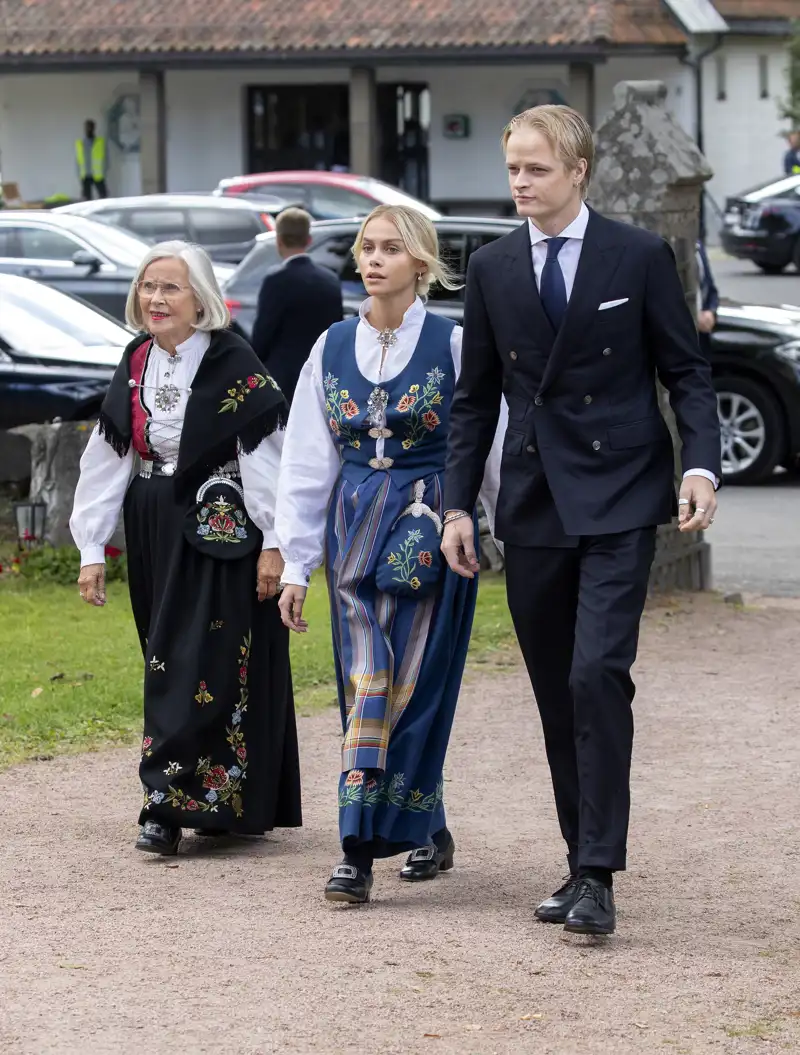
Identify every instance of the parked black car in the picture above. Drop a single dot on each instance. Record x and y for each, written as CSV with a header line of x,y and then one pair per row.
x,y
73,254
755,350
225,227
57,354
763,225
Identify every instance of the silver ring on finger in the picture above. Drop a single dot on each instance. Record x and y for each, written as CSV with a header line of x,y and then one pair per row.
x,y
699,509
683,501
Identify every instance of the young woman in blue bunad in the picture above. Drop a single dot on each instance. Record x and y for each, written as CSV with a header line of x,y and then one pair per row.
x,y
361,484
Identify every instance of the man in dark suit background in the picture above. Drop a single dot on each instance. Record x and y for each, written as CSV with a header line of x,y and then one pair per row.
x,y
298,301
571,317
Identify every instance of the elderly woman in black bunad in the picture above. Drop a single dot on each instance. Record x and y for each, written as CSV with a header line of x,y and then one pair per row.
x,y
188,446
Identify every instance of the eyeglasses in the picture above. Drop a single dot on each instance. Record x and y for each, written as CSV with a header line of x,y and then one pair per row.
x,y
169,290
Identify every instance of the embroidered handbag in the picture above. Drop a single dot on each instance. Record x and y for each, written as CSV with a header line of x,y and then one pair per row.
x,y
218,525
411,562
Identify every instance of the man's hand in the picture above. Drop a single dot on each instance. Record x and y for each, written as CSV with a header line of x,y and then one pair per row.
x,y
268,573
697,504
291,608
458,547
706,321
92,584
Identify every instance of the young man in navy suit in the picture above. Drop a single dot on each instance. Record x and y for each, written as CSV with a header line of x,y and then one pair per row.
x,y
572,316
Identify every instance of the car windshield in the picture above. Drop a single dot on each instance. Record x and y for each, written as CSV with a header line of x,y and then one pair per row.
x,y
119,246
784,188
36,320
247,279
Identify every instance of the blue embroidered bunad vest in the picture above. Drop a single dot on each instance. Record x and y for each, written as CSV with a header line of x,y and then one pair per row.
x,y
399,426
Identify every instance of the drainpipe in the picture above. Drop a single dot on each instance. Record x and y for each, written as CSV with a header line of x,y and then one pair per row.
x,y
696,64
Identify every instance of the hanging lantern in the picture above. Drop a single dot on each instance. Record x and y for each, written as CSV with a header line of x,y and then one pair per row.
x,y
31,518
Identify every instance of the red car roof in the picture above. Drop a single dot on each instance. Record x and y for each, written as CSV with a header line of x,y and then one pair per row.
x,y
340,179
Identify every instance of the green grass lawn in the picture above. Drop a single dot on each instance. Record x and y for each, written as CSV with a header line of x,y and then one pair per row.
x,y
72,675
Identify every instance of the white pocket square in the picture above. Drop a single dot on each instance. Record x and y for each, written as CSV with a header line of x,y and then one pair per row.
x,y
613,303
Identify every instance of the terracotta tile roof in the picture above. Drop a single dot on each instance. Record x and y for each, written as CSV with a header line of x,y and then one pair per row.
x,y
112,26
758,9
644,22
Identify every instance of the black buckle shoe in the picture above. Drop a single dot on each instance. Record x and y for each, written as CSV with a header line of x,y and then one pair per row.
x,y
594,911
156,838
427,862
349,884
556,908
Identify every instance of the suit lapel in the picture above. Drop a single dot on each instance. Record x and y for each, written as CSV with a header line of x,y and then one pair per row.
x,y
522,288
599,259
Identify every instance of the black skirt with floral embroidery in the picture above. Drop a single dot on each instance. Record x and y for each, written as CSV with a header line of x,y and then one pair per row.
x,y
220,740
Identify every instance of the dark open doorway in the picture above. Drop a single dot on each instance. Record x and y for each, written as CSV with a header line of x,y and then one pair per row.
x,y
307,127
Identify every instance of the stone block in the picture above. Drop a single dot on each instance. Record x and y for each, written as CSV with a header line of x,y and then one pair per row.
x,y
15,458
55,466
649,172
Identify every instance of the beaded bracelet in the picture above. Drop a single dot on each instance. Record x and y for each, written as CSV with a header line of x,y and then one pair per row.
x,y
454,516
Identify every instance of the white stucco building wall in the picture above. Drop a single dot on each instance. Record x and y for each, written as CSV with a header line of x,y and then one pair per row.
x,y
41,114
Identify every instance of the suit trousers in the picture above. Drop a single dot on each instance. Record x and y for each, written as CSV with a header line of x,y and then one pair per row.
x,y
576,613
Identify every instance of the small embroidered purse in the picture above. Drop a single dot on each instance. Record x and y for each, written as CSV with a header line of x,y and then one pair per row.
x,y
218,525
410,564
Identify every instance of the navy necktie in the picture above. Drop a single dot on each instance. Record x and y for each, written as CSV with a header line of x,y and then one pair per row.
x,y
552,288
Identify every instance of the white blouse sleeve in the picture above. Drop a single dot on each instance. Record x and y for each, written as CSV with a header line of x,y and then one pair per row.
x,y
259,471
491,476
309,469
99,495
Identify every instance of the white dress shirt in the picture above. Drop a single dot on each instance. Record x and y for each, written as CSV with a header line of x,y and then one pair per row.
x,y
311,463
105,476
568,260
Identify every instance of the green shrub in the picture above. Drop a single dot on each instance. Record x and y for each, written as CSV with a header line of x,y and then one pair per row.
x,y
61,564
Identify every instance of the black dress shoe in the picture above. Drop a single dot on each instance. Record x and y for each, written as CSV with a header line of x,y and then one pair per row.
x,y
556,908
349,884
594,911
427,862
156,838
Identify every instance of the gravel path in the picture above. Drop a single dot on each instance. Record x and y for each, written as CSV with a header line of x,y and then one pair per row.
x,y
233,950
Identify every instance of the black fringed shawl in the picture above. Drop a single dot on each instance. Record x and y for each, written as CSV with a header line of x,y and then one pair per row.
x,y
233,399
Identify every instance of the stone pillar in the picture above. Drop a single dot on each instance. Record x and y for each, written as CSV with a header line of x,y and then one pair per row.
x,y
649,172
363,122
153,131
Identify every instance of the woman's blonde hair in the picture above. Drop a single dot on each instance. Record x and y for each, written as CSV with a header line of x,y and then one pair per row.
x,y
567,132
419,236
213,314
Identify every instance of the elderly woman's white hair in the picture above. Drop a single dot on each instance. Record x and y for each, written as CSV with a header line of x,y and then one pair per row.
x,y
213,314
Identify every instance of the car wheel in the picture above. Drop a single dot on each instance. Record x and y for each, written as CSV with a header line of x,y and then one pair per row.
x,y
772,269
752,430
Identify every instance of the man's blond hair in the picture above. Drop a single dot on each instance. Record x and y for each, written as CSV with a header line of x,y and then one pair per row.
x,y
567,132
293,227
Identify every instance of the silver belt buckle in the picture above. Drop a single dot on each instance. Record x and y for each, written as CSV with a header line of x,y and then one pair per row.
x,y
167,469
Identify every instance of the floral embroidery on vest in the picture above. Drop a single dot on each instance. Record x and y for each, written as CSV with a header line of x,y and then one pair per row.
x,y
341,410
244,388
422,418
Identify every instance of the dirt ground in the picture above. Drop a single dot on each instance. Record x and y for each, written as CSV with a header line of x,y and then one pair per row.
x,y
232,949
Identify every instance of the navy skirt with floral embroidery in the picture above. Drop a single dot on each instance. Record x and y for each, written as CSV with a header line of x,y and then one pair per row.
x,y
220,741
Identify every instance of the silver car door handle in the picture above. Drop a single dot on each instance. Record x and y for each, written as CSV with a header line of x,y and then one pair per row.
x,y
32,272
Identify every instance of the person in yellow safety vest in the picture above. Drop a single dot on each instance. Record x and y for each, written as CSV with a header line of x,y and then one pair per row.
x,y
791,159
92,159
